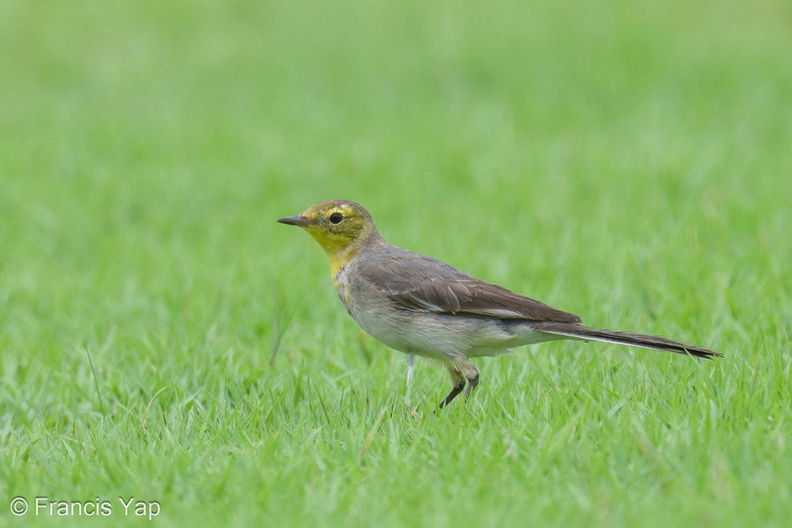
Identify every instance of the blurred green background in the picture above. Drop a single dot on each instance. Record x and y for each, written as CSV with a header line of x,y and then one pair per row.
x,y
627,161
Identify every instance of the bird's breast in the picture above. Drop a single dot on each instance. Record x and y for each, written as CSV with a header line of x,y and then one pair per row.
x,y
341,283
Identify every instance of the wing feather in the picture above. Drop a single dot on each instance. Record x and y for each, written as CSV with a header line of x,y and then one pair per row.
x,y
419,283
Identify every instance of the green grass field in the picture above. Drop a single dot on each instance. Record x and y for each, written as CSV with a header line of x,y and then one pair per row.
x,y
162,338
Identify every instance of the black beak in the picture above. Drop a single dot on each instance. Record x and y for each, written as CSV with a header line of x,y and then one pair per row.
x,y
298,220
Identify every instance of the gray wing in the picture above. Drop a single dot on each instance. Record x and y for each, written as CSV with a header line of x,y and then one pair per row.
x,y
420,283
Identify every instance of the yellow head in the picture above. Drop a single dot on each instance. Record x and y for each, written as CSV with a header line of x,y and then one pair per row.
x,y
341,227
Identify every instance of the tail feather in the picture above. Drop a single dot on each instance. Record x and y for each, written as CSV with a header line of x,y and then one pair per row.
x,y
585,333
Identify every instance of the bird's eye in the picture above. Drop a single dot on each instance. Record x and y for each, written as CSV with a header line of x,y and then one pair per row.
x,y
336,218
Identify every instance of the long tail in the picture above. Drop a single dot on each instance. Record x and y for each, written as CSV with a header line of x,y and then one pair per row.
x,y
576,331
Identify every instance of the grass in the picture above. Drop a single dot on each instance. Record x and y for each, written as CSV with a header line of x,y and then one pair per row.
x,y
162,338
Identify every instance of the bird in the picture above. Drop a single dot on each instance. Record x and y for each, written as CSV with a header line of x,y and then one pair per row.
x,y
422,306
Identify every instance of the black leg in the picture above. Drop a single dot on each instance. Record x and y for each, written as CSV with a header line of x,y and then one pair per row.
x,y
462,372
453,394
472,384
